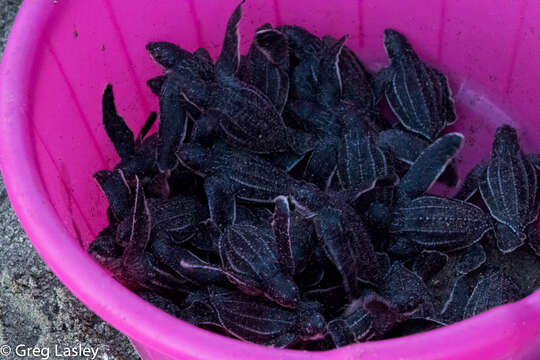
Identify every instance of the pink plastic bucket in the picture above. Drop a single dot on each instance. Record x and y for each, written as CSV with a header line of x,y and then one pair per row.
x,y
61,54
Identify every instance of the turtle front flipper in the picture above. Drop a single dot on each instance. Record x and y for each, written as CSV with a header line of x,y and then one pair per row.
x,y
120,134
206,63
454,306
403,145
156,83
269,65
533,239
535,160
381,81
329,78
150,121
117,191
187,265
281,224
406,147
140,228
172,123
273,45
429,166
229,58
322,164
492,290
329,230
221,201
471,259
448,102
356,81
351,328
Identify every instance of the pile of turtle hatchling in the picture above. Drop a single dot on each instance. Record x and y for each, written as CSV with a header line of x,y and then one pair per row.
x,y
278,205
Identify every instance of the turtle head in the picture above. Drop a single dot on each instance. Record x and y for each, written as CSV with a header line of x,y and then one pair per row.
x,y
396,44
167,54
506,141
283,291
195,157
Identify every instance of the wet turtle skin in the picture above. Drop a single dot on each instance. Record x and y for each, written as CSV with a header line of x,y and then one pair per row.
x,y
276,204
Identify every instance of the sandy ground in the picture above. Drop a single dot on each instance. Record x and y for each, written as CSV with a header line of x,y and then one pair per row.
x,y
36,310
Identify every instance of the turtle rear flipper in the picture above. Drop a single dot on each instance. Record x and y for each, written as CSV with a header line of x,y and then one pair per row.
x,y
120,134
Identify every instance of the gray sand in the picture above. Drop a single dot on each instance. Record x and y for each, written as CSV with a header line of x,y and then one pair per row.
x,y
35,308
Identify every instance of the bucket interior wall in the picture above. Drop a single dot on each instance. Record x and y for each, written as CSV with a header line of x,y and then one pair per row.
x,y
490,63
